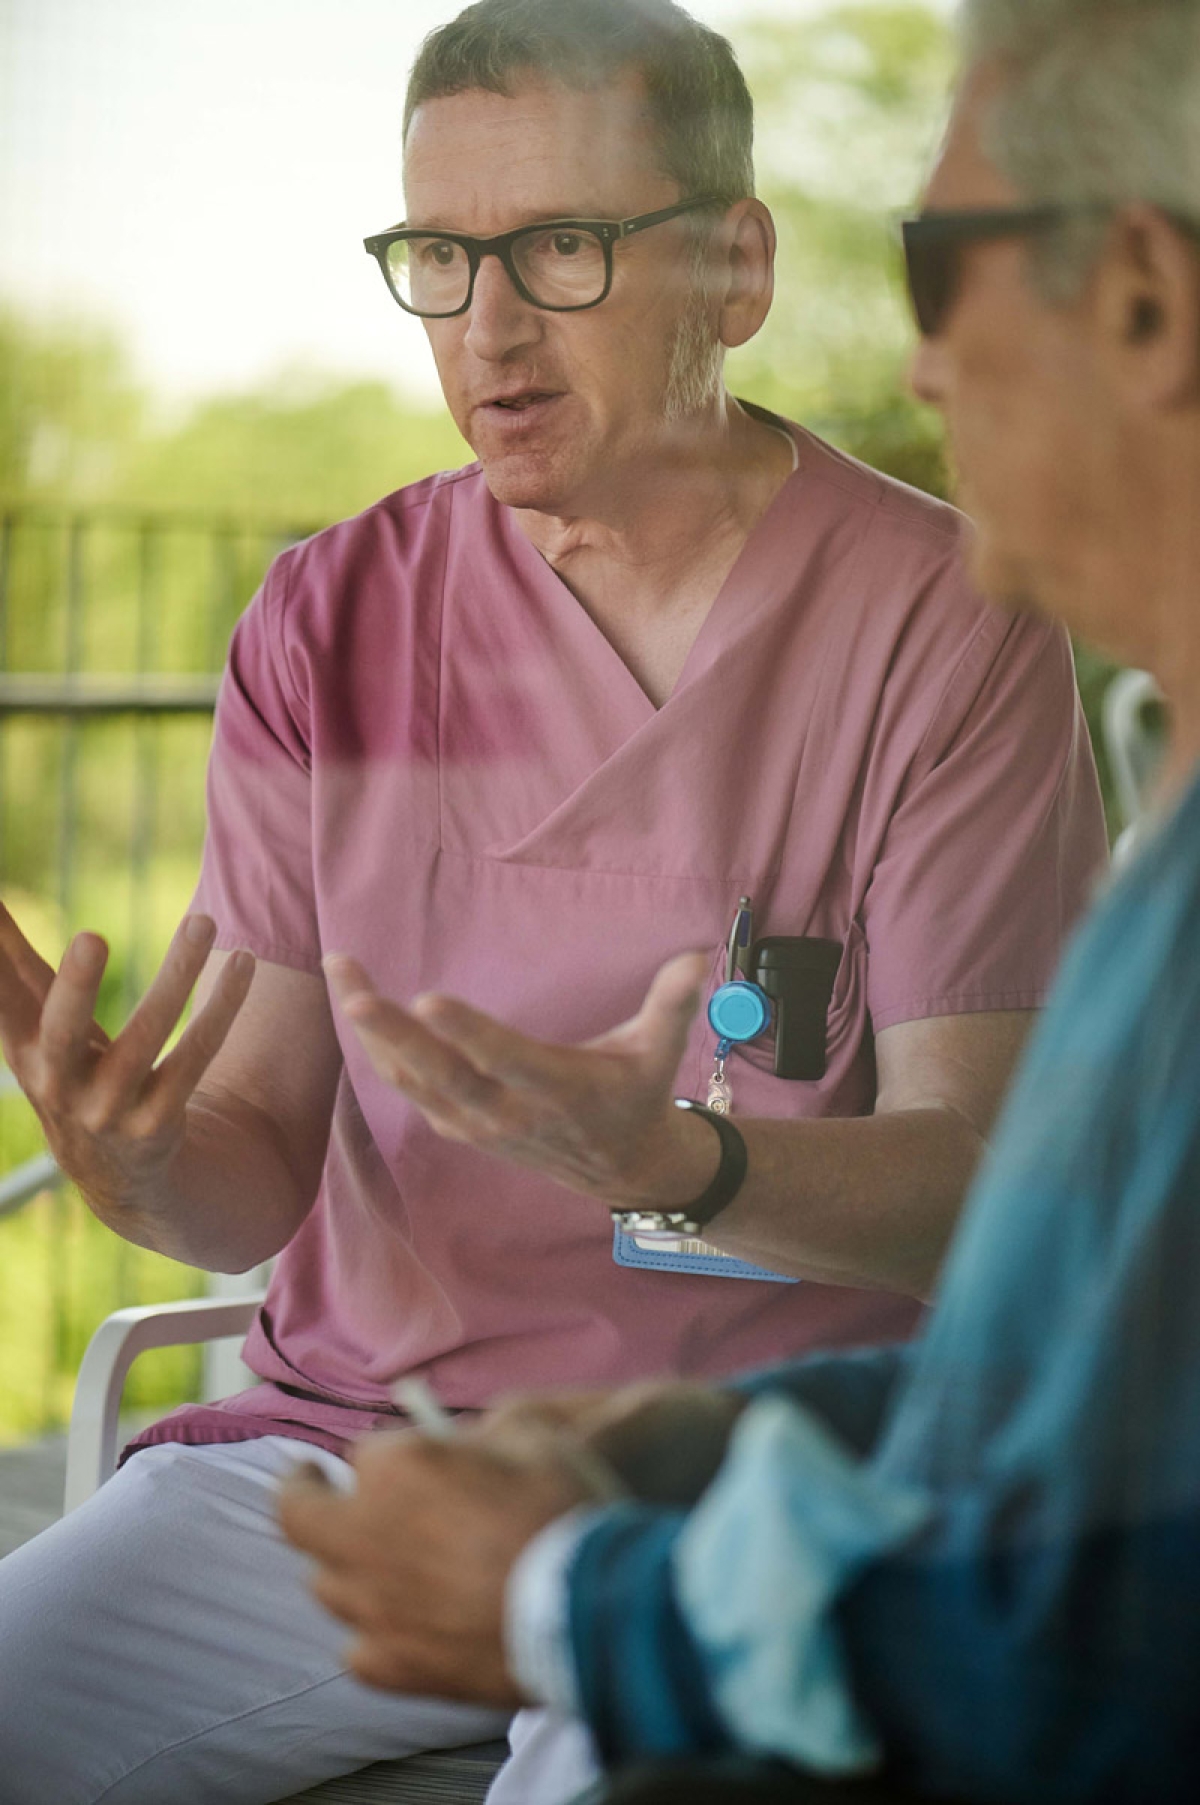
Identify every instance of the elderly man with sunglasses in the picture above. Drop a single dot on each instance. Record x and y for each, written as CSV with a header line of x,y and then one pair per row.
x,y
975,1560
659,672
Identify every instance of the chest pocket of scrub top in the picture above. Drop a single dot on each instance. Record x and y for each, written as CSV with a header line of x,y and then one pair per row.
x,y
799,976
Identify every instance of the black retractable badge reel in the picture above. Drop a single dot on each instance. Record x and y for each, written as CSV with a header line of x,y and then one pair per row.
x,y
783,979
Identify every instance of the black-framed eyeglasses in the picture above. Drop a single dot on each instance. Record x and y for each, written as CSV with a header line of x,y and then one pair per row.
x,y
933,245
563,265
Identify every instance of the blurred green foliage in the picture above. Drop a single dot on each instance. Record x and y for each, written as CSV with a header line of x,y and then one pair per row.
x,y
70,409
304,450
308,450
850,105
61,1274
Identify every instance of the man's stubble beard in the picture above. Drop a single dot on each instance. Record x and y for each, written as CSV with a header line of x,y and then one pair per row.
x,y
694,371
694,382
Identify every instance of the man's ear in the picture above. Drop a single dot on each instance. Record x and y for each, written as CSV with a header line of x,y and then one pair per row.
x,y
744,281
1148,301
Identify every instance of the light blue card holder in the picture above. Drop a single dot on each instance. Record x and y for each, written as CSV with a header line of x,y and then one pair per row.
x,y
677,1256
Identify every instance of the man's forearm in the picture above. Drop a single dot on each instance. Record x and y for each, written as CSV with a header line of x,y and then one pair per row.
x,y
868,1201
829,1614
233,1195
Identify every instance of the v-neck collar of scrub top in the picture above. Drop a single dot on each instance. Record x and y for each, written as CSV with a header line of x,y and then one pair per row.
x,y
751,577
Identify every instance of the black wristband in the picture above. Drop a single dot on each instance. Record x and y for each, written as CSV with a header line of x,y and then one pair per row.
x,y
693,1217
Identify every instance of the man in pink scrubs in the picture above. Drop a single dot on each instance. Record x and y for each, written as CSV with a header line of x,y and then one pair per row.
x,y
524,735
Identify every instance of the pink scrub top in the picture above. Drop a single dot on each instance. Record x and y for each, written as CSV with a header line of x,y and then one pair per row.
x,y
426,754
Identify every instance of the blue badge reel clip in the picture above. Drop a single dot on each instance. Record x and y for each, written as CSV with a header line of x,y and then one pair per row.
x,y
738,1012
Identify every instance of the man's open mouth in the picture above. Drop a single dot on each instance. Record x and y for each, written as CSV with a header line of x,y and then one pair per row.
x,y
518,403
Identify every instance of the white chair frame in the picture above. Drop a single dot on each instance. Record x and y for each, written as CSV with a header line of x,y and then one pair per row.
x,y
95,1414
441,1777
1134,754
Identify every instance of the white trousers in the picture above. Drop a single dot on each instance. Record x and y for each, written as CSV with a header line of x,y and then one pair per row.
x,y
161,1643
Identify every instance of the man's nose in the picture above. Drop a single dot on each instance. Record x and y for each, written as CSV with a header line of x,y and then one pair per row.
x,y
499,321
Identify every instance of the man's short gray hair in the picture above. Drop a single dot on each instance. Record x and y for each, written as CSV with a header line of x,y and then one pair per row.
x,y
1101,102
698,101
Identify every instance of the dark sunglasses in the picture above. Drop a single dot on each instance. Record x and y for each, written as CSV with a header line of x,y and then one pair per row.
x,y
933,245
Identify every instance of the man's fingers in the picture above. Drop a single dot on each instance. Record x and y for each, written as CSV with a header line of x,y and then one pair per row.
x,y
674,993
28,963
312,1513
403,1050
407,1054
181,1071
67,1030
476,1079
493,1049
348,980
660,1026
144,1035
550,1409
20,1010
659,1030
350,1595
379,1664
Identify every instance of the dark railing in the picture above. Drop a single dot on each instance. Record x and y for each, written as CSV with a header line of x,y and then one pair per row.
x,y
113,627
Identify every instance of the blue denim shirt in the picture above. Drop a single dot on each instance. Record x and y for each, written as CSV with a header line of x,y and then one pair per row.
x,y
977,1559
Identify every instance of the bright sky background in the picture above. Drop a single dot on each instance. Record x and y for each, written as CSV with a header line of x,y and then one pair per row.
x,y
199,173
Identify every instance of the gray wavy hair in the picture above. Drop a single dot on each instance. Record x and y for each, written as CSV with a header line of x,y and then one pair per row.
x,y
1101,103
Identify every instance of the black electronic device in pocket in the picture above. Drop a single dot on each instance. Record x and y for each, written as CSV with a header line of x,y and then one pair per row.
x,y
797,974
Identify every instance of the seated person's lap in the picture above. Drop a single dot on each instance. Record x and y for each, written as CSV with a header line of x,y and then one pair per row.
x,y
167,1634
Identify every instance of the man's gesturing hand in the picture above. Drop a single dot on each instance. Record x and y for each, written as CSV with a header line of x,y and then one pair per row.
x,y
594,1117
416,1559
112,1116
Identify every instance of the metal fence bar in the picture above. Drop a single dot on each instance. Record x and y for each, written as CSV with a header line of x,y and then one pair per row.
x,y
146,748
25,1181
112,629
35,693
69,773
274,533
6,535
224,553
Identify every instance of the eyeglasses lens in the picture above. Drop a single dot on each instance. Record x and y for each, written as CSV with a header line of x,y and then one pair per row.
x,y
556,266
561,268
932,267
430,275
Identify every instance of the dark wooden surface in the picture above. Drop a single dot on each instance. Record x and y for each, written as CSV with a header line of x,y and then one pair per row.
x,y
31,1489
